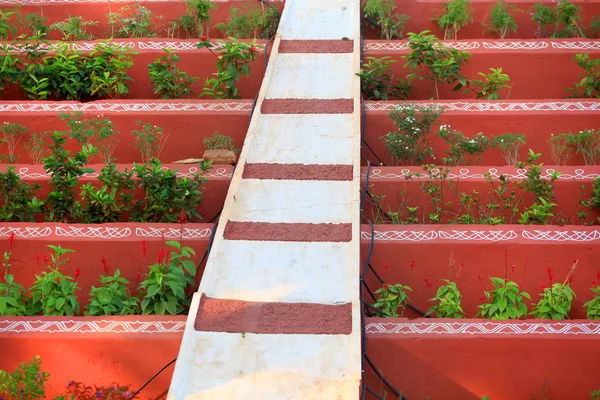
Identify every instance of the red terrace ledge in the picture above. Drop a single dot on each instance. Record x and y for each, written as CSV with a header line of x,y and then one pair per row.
x,y
236,316
537,120
298,172
287,232
469,358
99,351
307,106
419,256
316,46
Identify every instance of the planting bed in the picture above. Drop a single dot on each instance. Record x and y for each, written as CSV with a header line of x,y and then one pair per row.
x,y
524,61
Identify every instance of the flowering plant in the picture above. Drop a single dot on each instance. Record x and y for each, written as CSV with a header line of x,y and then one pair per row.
x,y
461,146
25,383
112,297
556,300
505,301
391,298
447,301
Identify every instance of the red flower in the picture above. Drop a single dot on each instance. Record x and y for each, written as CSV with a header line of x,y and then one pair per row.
x,y
38,258
182,218
2,279
412,264
386,286
386,268
570,279
144,247
46,258
253,49
506,253
204,38
482,299
550,275
76,273
105,267
11,240
543,287
138,277
57,279
427,283
162,256
512,268
479,277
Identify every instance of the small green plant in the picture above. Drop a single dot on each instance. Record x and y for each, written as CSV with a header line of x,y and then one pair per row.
x,y
11,68
594,201
545,17
98,131
595,27
377,80
74,28
448,301
107,70
381,14
7,27
112,297
586,143
435,62
392,298
150,140
53,293
539,213
456,15
509,145
233,61
12,295
167,80
542,190
488,87
164,286
561,21
11,135
36,147
556,300
253,22
589,83
18,202
595,395
219,142
560,150
27,382
501,20
132,21
168,197
35,23
197,17
461,147
592,307
505,301
409,144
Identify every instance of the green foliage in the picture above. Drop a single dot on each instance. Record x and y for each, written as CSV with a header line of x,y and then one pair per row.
x,y
592,307
18,201
164,286
253,22
501,20
594,201
434,62
74,28
505,301
381,13
168,197
196,17
7,27
97,130
65,170
35,23
560,150
509,144
150,140
391,298
112,297
377,81
219,142
409,144
233,61
36,147
107,70
555,302
448,301
461,146
542,190
539,213
488,87
11,135
586,143
53,293
456,15
561,21
167,80
132,21
10,67
27,382
12,295
589,83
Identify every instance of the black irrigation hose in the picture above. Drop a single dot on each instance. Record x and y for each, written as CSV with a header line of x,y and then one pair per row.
x,y
153,377
363,130
396,392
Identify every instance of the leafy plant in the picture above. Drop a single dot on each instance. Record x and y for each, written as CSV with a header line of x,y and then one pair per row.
x,y
488,87
509,144
253,22
592,307
10,67
233,61
391,298
27,382
555,302
167,196
18,201
197,16
74,28
505,301
150,140
381,14
542,190
112,297
219,142
53,293
132,21
12,295
586,143
36,147
538,213
501,20
409,144
107,70
461,146
11,135
7,27
561,21
589,83
560,150
546,19
96,130
434,62
35,23
168,81
65,171
164,286
448,301
456,15
377,81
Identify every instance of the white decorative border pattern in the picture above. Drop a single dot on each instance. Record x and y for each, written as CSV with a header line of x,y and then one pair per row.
x,y
496,106
528,45
23,172
103,326
21,2
177,45
157,107
484,328
464,173
104,232
483,235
